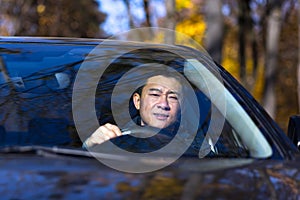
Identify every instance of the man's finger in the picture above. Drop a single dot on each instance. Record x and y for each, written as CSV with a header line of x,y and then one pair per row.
x,y
115,129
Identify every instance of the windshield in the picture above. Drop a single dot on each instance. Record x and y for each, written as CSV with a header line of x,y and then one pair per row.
x,y
45,100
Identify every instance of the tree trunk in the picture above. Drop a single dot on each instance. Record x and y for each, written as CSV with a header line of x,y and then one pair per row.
x,y
147,13
170,22
127,4
298,70
272,39
254,48
215,29
245,31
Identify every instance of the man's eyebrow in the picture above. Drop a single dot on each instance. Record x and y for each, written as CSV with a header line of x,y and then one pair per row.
x,y
154,90
174,92
158,90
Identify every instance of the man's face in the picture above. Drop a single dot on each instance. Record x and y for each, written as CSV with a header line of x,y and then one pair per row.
x,y
159,103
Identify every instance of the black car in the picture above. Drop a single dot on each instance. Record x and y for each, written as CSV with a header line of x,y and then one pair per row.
x,y
55,92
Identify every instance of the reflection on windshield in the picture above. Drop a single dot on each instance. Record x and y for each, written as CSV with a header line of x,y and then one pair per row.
x,y
36,96
35,90
230,108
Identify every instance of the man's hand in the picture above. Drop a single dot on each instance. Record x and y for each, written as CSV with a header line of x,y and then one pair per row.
x,y
102,134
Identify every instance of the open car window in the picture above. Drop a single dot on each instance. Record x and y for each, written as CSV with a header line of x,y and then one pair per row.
x,y
37,100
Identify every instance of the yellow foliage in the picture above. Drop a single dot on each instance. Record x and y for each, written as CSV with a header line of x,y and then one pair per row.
x,y
193,27
259,84
41,8
231,63
230,55
182,4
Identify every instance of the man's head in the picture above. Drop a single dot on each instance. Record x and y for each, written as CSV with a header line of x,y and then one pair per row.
x,y
159,101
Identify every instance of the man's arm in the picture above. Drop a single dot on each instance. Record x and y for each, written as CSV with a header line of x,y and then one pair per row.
x,y
102,134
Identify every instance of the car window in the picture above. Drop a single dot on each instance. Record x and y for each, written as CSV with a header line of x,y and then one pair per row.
x,y
232,141
36,93
36,101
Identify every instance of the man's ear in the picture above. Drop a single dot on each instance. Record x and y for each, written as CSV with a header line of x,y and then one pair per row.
x,y
136,100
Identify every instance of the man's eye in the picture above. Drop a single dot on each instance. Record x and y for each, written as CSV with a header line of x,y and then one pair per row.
x,y
154,94
173,97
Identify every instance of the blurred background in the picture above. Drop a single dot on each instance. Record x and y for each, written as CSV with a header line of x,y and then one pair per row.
x,y
255,40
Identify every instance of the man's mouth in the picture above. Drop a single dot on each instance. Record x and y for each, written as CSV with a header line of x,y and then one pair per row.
x,y
160,116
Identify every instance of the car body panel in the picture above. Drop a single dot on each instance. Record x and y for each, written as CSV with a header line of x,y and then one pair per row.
x,y
45,175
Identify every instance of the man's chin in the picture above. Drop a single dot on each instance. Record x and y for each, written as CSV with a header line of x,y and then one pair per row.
x,y
161,125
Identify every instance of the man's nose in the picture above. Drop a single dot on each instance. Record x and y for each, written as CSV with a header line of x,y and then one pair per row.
x,y
163,103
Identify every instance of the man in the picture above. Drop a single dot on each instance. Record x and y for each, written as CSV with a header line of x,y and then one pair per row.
x,y
158,105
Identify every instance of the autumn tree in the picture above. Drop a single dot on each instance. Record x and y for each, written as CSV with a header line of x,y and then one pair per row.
x,y
286,74
190,19
215,29
128,7
170,21
80,18
247,37
298,68
273,29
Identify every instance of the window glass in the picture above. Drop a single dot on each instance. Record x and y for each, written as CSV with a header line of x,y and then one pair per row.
x,y
38,107
229,142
